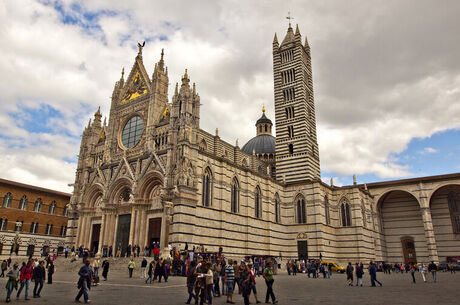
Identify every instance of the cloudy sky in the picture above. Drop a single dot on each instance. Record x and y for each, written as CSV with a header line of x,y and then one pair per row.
x,y
386,77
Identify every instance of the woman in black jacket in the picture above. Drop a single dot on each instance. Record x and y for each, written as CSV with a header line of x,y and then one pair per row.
x,y
50,272
105,269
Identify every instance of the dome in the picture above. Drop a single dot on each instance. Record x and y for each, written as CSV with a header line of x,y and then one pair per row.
x,y
263,143
263,119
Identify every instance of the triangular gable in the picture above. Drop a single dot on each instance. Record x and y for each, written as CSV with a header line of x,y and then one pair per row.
x,y
137,84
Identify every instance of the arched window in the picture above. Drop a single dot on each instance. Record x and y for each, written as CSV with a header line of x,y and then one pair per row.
x,y
301,212
23,203
207,188
258,203
52,209
345,213
38,205
277,209
363,213
454,208
7,200
235,196
326,210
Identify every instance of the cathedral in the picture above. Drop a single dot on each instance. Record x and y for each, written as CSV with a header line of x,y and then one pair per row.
x,y
151,174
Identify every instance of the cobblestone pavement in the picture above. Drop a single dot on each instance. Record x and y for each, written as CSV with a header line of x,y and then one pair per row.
x,y
397,289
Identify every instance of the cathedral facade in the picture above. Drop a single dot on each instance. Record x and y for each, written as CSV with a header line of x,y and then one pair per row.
x,y
151,174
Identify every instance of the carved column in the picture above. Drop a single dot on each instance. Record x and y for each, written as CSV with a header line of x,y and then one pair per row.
x,y
428,224
101,233
167,206
429,234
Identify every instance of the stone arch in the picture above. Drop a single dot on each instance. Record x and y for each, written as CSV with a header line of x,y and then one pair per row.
x,y
399,215
93,194
378,198
148,183
445,215
118,188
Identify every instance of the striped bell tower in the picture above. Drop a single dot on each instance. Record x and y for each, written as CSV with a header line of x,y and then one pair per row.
x,y
297,156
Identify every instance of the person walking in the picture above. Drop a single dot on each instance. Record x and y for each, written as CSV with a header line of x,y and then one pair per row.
x,y
131,266
359,274
150,272
13,278
209,277
143,267
412,272
191,279
245,277
422,270
50,272
433,268
373,274
96,264
105,269
25,279
229,281
84,283
4,267
350,274
39,278
253,282
269,280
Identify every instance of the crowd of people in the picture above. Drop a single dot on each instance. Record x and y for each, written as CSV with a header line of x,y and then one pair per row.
x,y
21,277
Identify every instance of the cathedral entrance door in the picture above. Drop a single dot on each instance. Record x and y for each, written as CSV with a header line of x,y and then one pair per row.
x,y
124,224
408,247
302,249
95,238
154,231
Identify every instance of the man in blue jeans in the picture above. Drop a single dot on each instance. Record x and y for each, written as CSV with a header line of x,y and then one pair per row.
x,y
84,282
229,280
433,268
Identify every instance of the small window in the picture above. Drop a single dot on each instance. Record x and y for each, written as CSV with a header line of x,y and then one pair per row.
x,y
206,196
23,203
7,200
52,208
3,224
38,205
345,213
291,149
258,203
235,194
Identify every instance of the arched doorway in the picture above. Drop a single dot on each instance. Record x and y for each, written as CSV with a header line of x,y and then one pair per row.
x,y
401,218
302,246
445,215
408,246
30,250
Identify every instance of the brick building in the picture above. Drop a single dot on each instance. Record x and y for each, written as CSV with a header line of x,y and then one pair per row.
x,y
31,218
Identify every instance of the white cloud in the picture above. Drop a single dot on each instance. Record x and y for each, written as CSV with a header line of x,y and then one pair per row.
x,y
383,73
428,150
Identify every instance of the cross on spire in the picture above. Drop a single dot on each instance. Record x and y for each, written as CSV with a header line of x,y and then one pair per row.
x,y
289,18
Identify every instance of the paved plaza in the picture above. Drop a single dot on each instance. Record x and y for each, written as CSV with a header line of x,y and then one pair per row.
x,y
397,289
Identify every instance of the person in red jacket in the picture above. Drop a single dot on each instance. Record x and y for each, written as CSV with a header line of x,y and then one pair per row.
x,y
25,278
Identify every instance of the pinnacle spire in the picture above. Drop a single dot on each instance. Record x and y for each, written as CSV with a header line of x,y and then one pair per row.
x,y
297,32
275,39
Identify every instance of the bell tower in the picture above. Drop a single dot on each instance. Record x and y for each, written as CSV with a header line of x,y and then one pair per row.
x,y
297,156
